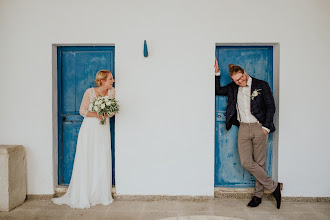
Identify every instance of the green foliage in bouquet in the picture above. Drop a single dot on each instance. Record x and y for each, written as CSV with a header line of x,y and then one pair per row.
x,y
105,105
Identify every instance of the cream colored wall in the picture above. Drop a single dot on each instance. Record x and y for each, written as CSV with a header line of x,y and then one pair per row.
x,y
165,130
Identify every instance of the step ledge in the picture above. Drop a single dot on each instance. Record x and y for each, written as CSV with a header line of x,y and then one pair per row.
x,y
219,193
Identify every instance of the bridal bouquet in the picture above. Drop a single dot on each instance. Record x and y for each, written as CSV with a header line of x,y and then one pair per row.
x,y
105,105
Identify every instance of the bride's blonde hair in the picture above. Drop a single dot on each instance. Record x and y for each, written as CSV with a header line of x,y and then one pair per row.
x,y
101,75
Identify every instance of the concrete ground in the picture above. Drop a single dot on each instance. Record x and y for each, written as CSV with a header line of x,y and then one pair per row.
x,y
217,209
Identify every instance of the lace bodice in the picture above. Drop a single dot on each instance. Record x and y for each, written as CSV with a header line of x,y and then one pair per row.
x,y
89,96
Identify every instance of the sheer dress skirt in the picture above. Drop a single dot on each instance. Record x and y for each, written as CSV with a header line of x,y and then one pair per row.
x,y
91,180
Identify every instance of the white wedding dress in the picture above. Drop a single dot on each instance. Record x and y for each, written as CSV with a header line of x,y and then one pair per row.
x,y
91,180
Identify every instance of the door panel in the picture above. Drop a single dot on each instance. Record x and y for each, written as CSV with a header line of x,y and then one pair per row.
x,y
88,64
68,82
70,135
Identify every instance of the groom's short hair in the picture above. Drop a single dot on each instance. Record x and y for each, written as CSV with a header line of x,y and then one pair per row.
x,y
234,69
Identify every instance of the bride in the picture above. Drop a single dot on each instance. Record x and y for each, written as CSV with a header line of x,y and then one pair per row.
x,y
91,180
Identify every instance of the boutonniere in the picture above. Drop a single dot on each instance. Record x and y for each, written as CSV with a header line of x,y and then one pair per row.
x,y
255,93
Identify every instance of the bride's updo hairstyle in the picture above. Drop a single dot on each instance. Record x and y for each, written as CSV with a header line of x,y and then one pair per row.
x,y
234,69
101,75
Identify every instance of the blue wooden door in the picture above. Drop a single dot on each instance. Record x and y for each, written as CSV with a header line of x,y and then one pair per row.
x,y
77,67
258,63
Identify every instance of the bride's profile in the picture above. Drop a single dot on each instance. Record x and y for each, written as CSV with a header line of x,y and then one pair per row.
x,y
91,180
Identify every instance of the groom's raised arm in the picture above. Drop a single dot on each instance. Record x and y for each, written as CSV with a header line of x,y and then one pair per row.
x,y
219,90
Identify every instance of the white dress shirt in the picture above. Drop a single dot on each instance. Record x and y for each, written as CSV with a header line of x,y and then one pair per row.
x,y
244,104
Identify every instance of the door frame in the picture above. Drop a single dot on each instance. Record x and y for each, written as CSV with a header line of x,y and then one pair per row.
x,y
55,105
276,77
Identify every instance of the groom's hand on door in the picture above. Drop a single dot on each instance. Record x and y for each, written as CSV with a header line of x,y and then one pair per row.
x,y
216,66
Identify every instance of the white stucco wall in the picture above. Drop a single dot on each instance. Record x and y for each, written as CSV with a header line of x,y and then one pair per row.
x,y
165,130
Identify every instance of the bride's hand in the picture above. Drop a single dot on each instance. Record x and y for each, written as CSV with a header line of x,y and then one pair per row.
x,y
110,115
105,116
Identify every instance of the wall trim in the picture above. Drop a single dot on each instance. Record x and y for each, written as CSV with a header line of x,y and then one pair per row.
x,y
276,80
55,101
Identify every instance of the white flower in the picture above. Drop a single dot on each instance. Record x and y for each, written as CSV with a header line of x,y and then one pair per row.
x,y
102,106
255,93
96,108
108,103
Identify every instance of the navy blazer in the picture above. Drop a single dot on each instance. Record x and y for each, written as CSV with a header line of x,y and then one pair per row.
x,y
262,106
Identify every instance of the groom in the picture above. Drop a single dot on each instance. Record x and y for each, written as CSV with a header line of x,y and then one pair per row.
x,y
251,107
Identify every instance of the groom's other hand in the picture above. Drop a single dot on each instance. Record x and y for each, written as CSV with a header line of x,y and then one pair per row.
x,y
265,131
